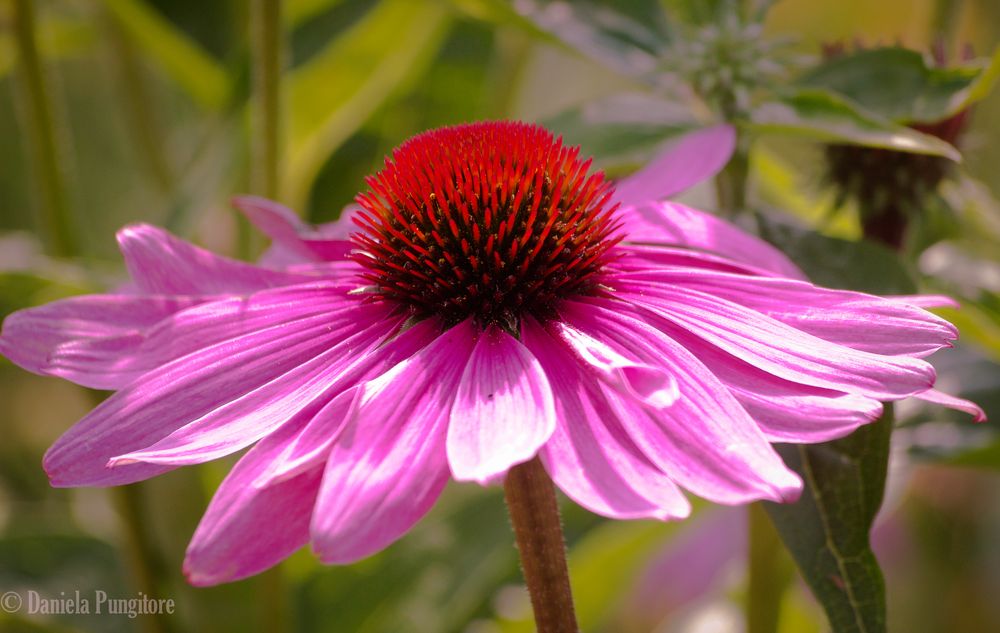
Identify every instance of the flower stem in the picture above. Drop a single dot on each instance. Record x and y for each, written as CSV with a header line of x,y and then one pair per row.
x,y
769,574
147,565
267,51
731,182
534,514
268,59
56,220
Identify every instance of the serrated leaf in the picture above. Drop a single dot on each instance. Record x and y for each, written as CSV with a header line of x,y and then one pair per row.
x,y
193,69
622,129
899,85
334,93
827,530
824,116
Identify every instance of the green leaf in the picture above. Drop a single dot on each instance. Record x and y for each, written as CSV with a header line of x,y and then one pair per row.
x,y
193,69
603,32
837,263
824,116
334,93
899,85
827,530
622,129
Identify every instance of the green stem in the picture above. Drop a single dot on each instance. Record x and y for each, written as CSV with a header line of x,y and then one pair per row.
x,y
147,565
148,568
267,55
268,58
731,182
769,573
534,514
56,220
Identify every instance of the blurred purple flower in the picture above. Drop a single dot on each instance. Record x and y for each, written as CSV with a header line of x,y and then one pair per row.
x,y
488,310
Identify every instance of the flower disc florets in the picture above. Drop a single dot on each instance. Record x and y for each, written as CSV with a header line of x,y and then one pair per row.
x,y
489,220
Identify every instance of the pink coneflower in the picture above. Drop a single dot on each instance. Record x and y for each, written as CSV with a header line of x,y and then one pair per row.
x,y
497,304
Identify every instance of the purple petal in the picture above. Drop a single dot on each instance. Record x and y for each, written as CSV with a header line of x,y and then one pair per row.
x,y
779,349
182,391
287,231
705,441
503,412
389,465
644,382
245,529
213,322
689,160
589,455
785,411
641,258
927,301
245,419
887,326
705,549
90,340
673,223
161,263
312,443
959,404
116,362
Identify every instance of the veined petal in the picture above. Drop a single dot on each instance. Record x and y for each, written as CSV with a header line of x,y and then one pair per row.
x,y
647,383
177,393
673,223
311,445
785,411
503,412
705,441
245,529
213,322
927,301
640,258
245,419
691,159
90,340
161,263
952,402
389,464
890,326
114,362
287,231
589,456
780,349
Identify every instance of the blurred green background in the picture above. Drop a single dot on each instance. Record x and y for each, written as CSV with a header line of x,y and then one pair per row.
x,y
151,106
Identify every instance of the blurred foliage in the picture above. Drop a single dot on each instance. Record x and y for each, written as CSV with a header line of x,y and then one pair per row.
x,y
151,100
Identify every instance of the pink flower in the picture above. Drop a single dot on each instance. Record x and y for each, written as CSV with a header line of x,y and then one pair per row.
x,y
498,302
